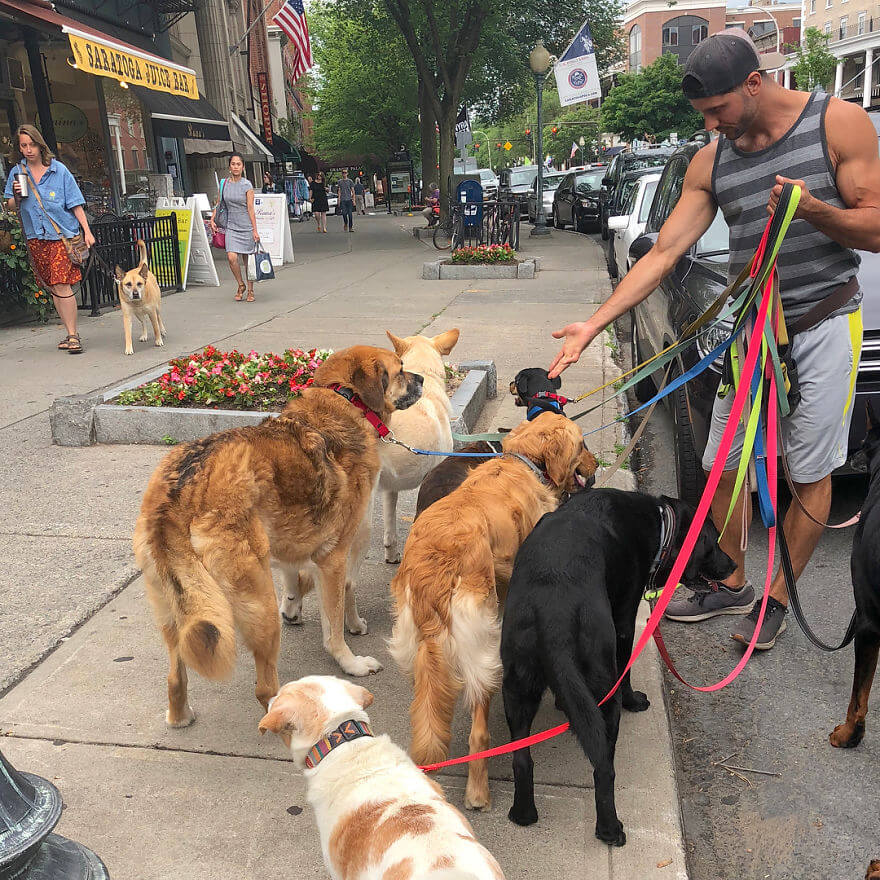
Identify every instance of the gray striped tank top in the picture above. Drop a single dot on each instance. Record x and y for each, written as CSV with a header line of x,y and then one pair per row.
x,y
810,264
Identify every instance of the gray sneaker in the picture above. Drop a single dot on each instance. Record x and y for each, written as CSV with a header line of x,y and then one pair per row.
x,y
711,600
773,625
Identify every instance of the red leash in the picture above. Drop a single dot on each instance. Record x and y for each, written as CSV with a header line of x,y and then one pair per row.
x,y
651,628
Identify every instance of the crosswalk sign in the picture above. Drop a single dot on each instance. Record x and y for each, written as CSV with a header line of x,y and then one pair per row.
x,y
508,146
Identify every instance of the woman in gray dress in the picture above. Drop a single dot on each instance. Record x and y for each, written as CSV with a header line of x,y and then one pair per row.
x,y
237,194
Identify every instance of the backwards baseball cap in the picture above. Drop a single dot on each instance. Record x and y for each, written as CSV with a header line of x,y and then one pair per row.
x,y
724,61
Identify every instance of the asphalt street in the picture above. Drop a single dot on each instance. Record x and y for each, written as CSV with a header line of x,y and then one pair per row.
x,y
801,808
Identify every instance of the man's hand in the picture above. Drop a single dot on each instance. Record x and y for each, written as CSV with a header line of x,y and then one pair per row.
x,y
577,337
802,212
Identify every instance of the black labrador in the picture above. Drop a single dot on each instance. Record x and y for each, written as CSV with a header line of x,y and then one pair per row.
x,y
865,568
570,617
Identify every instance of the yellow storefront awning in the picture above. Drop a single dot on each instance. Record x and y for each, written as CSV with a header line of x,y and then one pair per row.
x,y
103,56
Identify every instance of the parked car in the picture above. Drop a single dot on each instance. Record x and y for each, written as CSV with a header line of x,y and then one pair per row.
x,y
489,182
332,200
630,160
626,227
576,200
552,179
625,187
516,183
697,280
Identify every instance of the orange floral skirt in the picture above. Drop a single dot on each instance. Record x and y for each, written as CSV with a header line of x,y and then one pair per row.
x,y
51,262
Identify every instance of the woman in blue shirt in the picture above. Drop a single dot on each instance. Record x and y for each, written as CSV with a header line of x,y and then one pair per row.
x,y
62,207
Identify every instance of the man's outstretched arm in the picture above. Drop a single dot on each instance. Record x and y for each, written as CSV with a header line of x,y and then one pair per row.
x,y
690,218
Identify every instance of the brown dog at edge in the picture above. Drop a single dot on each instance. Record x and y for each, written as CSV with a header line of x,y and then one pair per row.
x,y
140,297
293,489
452,582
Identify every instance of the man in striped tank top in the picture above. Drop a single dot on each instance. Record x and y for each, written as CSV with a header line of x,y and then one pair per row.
x,y
769,136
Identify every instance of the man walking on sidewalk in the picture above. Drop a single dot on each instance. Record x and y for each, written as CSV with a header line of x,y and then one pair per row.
x,y
346,202
359,192
770,136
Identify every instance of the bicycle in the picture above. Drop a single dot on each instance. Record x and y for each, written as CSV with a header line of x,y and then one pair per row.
x,y
449,232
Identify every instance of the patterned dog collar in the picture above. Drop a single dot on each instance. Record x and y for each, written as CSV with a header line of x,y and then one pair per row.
x,y
346,732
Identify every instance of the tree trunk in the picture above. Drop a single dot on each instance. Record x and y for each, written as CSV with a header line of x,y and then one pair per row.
x,y
427,122
447,153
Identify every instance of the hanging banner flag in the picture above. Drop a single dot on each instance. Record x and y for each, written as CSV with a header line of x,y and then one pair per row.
x,y
463,135
574,149
577,76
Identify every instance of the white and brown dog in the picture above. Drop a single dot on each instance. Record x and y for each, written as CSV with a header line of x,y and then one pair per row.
x,y
379,816
140,296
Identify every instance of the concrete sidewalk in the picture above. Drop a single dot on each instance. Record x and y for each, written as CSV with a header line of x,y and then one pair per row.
x,y
84,668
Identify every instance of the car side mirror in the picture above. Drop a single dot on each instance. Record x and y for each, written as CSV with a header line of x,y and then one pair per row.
x,y
642,245
620,221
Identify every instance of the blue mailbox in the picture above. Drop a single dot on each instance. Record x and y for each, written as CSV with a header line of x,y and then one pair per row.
x,y
469,193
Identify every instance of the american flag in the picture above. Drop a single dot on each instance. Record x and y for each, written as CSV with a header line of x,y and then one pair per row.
x,y
291,18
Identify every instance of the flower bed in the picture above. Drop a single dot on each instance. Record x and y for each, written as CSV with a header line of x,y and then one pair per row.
x,y
483,254
216,379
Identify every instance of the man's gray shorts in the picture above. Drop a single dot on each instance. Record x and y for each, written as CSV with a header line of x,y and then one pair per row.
x,y
815,435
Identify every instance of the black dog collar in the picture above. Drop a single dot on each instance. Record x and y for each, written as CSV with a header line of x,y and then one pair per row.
x,y
346,732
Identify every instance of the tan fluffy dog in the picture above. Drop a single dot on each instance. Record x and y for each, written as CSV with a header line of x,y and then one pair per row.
x,y
294,489
140,297
379,816
425,426
453,579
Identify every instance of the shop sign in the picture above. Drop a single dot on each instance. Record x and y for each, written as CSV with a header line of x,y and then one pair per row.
x,y
273,226
184,235
263,86
105,59
70,122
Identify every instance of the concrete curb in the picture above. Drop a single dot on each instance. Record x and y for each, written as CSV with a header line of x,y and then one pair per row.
x,y
87,419
443,270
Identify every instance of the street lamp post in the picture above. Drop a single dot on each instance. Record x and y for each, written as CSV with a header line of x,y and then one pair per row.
x,y
488,145
775,22
539,61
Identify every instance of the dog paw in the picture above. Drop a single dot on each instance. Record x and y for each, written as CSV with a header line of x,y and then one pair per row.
x,y
160,342
392,555
523,817
477,801
143,338
294,619
129,350
291,610
358,628
847,736
612,835
636,701
361,666
188,717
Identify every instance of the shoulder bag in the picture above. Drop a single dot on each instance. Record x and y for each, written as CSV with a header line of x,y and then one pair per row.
x,y
221,218
76,247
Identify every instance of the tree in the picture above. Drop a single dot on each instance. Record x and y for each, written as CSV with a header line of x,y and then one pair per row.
x,y
815,64
650,102
365,91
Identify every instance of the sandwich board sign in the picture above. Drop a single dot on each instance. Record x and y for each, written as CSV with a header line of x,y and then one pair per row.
x,y
274,227
577,76
196,260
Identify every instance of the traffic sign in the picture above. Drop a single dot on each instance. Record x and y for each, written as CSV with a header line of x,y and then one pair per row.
x,y
508,146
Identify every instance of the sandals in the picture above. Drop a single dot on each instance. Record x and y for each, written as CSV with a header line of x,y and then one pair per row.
x,y
250,296
239,295
74,344
63,345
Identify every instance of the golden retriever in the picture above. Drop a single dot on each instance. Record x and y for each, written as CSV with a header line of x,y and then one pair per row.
x,y
140,297
456,565
294,489
378,815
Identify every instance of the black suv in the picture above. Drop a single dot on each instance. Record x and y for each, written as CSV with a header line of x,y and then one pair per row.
x,y
696,282
634,160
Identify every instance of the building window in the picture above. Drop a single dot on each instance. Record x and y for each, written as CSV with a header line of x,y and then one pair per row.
x,y
699,33
842,31
828,4
828,27
812,7
863,21
670,36
635,49
135,157
796,22
738,26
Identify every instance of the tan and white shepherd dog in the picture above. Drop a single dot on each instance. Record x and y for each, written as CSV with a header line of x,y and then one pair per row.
x,y
425,425
379,816
140,297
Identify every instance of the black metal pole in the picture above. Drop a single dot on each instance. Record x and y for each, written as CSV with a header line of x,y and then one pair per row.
x,y
540,219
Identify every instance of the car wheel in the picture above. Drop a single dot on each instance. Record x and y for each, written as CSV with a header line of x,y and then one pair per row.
x,y
689,476
557,222
645,389
604,230
580,224
611,261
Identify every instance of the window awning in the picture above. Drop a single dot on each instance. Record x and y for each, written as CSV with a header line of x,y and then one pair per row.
x,y
98,54
178,117
255,147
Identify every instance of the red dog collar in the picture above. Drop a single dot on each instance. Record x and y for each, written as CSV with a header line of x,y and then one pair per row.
x,y
549,395
381,428
346,732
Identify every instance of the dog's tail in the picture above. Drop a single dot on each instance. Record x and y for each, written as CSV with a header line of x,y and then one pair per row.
x,y
142,252
200,613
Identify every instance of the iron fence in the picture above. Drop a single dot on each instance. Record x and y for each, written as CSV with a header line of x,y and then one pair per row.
x,y
116,245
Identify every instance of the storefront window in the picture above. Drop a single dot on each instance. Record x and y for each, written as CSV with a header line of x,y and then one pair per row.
x,y
128,142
